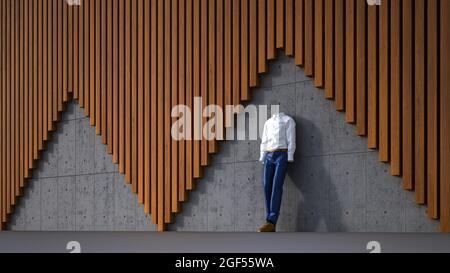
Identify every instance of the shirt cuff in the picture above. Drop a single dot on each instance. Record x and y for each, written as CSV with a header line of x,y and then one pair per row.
x,y
291,157
262,157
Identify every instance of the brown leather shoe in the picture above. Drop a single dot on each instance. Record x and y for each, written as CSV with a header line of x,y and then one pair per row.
x,y
267,227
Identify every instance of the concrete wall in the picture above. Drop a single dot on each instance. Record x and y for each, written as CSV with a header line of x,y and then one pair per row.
x,y
336,183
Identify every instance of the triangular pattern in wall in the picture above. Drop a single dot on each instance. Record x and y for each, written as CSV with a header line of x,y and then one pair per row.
x,y
128,62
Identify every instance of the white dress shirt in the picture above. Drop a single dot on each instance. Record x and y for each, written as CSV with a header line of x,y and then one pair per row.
x,y
278,133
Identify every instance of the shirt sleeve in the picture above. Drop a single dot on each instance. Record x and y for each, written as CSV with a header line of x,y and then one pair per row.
x,y
263,143
291,138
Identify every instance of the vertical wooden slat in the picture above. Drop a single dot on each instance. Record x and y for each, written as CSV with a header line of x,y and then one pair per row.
x,y
50,63
236,76
445,116
70,10
420,101
160,53
433,108
31,83
361,68
104,72
220,53
253,44
262,63
127,92
204,74
8,107
2,33
81,55
21,101
350,61
339,63
408,95
65,55
372,77
167,119
280,23
396,89
17,177
212,147
140,102
26,92
76,52
110,76
134,96
289,31
45,54
115,79
175,82
271,30
121,100
228,52
309,37
2,114
196,81
384,80
98,69
329,49
13,90
245,94
87,57
92,61
189,93
182,95
319,43
154,117
299,21
147,104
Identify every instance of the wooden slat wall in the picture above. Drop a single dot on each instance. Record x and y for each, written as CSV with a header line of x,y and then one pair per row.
x,y
127,63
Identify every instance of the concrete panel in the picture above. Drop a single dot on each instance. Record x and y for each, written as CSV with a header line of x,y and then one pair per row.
x,y
143,221
385,198
348,193
104,204
416,216
280,72
194,213
71,112
47,166
312,178
18,222
125,205
103,161
221,197
84,203
250,207
289,209
66,203
49,203
32,203
85,147
66,147
227,152
300,75
313,121
343,136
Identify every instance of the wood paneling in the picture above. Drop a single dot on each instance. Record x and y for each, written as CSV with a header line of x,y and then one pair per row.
x,y
445,116
128,63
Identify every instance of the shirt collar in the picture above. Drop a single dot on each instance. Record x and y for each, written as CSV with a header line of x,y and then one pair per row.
x,y
277,115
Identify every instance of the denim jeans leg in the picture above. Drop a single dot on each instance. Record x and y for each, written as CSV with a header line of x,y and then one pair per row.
x,y
277,190
269,171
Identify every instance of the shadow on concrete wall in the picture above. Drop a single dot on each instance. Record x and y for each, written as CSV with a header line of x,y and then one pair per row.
x,y
301,177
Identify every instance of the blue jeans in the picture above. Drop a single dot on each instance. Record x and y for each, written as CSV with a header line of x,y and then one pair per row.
x,y
275,167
